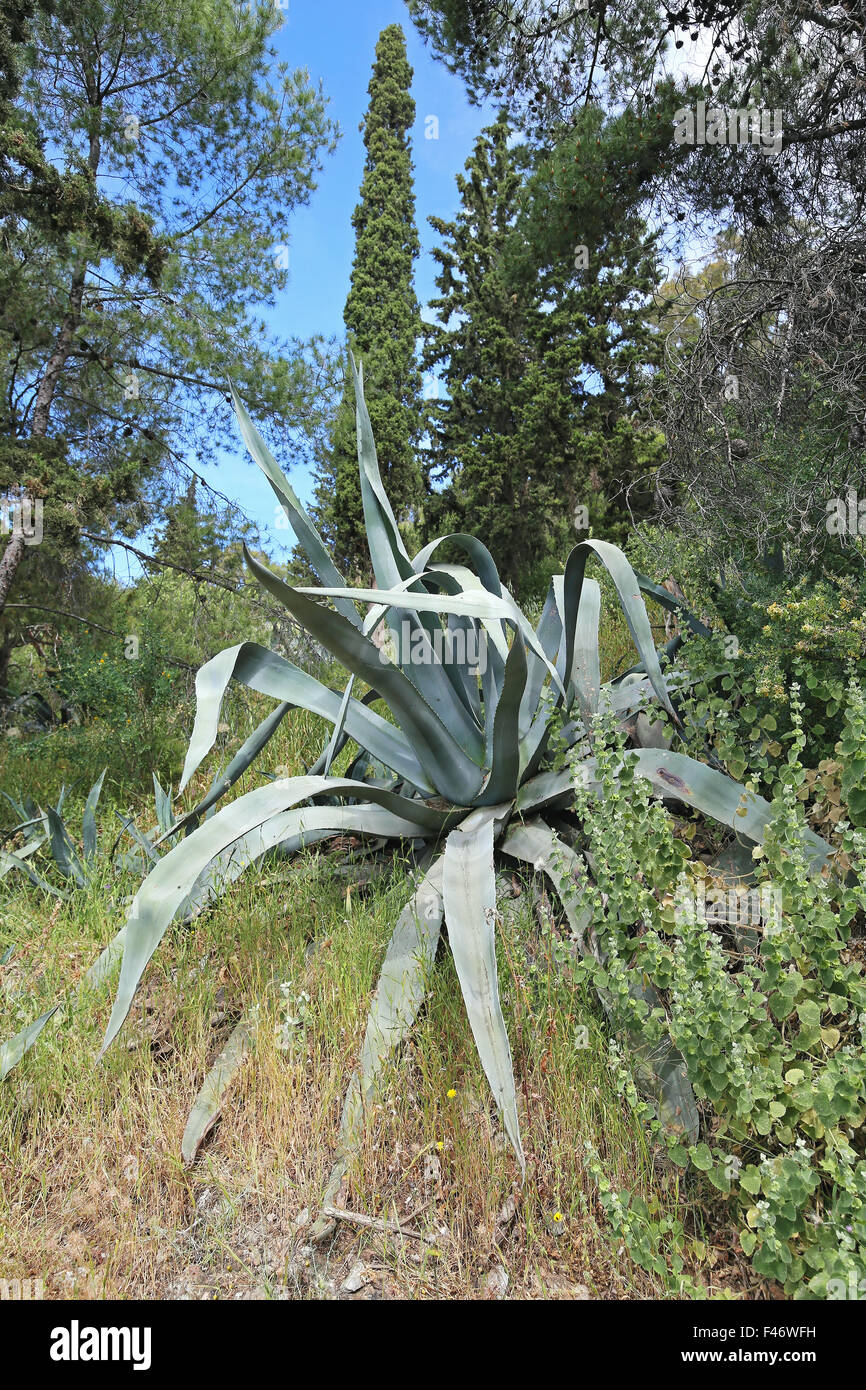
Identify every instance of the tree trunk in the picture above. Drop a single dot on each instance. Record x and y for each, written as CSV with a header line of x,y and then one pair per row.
x,y
9,562
14,552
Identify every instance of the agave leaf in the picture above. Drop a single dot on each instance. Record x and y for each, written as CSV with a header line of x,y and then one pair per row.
x,y
391,564
673,604
354,769
585,668
209,1100
88,832
170,882
224,781
469,893
9,860
202,882
383,533
398,997
17,806
487,576
289,832
454,773
471,605
457,579
535,843
719,796
546,789
29,828
549,633
684,779
661,1069
485,565
337,740
631,602
141,840
12,1051
506,766
162,802
259,669
308,537
632,691
62,849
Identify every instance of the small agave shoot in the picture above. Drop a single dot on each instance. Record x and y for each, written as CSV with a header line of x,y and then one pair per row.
x,y
469,768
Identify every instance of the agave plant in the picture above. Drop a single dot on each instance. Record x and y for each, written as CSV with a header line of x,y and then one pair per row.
x,y
468,768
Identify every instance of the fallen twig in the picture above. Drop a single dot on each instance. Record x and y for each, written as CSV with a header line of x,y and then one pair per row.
x,y
374,1223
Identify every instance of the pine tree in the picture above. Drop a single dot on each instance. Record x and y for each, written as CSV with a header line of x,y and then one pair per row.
x,y
534,440
382,316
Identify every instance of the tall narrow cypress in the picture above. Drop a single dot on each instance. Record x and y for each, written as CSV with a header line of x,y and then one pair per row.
x,y
382,316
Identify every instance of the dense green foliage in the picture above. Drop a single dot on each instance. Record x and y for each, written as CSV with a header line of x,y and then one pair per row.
x,y
551,364
171,120
766,1005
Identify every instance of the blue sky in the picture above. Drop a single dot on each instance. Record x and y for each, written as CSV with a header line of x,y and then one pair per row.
x,y
336,41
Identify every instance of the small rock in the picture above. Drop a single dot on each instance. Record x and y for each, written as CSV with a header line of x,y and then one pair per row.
x,y
496,1282
432,1170
356,1279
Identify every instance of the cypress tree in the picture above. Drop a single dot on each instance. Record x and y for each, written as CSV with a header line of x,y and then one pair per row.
x,y
534,443
382,317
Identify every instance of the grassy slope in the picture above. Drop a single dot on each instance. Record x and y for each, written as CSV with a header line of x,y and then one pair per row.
x,y
93,1194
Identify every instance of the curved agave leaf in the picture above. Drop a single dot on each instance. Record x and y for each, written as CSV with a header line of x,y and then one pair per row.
x,y
10,860
308,537
661,1068
143,841
471,605
719,796
65,856
506,766
224,781
549,634
391,564
477,551
337,740
162,802
469,893
447,765
399,995
685,779
457,579
318,767
585,666
259,669
88,825
672,604
12,1051
209,1100
383,533
170,882
631,602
